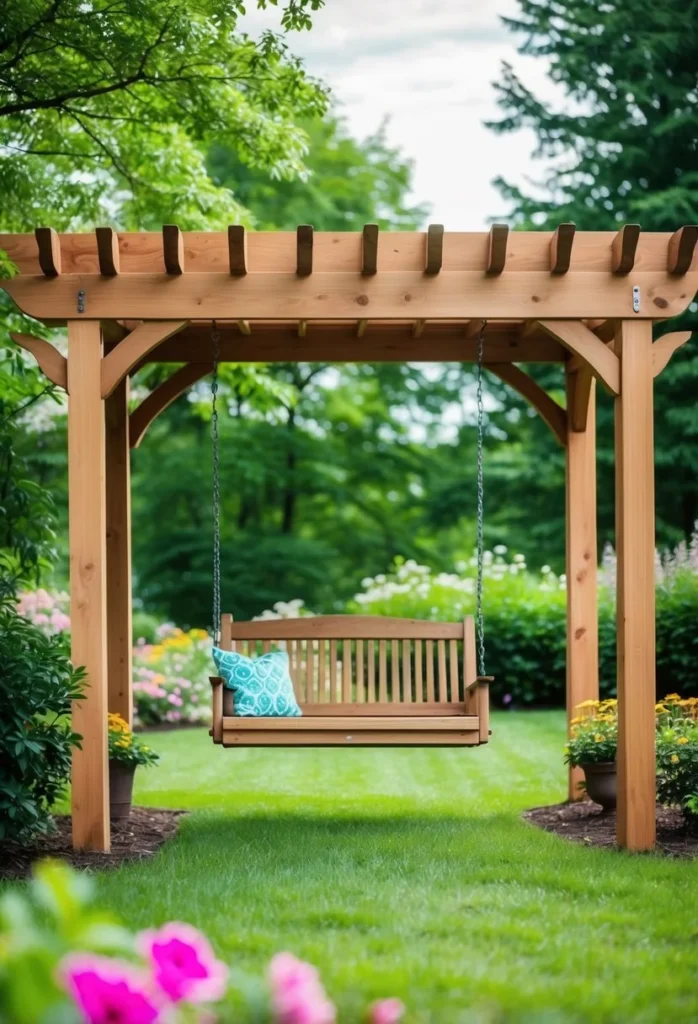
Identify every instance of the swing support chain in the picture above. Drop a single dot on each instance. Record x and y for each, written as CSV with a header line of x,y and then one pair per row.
x,y
215,446
480,503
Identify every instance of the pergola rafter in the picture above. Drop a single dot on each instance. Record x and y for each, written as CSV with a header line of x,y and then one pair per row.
x,y
584,300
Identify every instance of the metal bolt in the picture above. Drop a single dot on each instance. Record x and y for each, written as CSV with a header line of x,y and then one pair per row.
x,y
636,298
81,301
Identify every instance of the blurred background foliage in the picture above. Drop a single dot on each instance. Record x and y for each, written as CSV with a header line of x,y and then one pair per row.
x,y
328,472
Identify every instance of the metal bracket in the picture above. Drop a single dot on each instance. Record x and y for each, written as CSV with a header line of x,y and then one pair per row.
x,y
636,298
81,301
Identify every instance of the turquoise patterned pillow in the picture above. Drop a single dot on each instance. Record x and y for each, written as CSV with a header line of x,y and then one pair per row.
x,y
261,687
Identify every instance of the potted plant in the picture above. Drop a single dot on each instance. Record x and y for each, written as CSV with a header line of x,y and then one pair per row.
x,y
126,752
592,746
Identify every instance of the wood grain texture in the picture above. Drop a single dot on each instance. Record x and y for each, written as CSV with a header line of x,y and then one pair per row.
x,y
237,250
561,248
402,295
304,250
356,738
682,247
351,627
369,250
497,249
582,672
635,606
434,249
664,348
173,249
49,246
108,251
137,344
579,340
624,249
88,566
118,522
340,723
579,386
275,251
51,362
339,343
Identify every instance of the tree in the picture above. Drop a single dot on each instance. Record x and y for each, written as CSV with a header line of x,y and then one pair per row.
x,y
107,109
622,147
347,184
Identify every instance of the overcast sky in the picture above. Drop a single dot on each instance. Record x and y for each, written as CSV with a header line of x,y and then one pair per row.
x,y
427,66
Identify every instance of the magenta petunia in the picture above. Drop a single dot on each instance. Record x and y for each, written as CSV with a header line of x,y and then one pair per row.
x,y
386,1011
184,965
297,995
108,991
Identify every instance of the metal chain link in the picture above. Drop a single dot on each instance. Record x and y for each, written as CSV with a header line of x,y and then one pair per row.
x,y
480,503
215,446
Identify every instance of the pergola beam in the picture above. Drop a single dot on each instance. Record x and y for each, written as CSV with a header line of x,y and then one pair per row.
x,y
193,343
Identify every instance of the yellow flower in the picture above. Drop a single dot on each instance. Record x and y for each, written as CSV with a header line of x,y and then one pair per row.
x,y
674,758
198,634
598,737
673,697
682,739
660,708
587,704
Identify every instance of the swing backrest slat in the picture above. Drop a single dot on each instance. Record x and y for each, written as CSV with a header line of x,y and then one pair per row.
x,y
361,664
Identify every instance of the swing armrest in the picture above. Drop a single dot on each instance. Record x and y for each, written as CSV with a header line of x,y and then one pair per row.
x,y
477,698
216,730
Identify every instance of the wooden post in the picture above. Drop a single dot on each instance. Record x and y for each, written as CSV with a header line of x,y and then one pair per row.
x,y
635,602
90,783
118,534
581,564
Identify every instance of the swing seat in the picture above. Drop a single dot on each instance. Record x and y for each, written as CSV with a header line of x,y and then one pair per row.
x,y
362,681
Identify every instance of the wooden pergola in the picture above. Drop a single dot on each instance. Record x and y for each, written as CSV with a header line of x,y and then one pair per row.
x,y
585,300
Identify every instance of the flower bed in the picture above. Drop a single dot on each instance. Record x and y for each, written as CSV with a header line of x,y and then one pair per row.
x,y
170,677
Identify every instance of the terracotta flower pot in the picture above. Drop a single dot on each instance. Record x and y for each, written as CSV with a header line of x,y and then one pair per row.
x,y
601,783
120,789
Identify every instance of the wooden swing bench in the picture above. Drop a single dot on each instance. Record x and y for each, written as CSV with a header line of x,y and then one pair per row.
x,y
362,681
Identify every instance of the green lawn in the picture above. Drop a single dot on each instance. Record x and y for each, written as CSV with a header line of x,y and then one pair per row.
x,y
410,873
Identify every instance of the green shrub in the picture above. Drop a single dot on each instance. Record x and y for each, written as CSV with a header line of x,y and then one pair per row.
x,y
525,621
37,685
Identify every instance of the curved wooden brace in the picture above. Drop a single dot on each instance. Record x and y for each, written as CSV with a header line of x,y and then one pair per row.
x,y
553,414
664,348
161,397
133,348
579,339
579,390
51,363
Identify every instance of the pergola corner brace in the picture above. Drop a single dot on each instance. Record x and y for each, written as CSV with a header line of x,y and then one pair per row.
x,y
550,412
51,363
578,339
129,352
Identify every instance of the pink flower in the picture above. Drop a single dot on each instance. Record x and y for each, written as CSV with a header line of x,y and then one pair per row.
x,y
297,995
386,1011
184,965
108,991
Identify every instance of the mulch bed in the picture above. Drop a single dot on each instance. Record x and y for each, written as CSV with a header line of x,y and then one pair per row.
x,y
587,823
139,837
